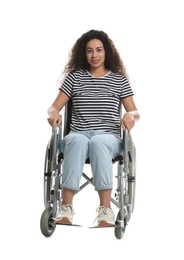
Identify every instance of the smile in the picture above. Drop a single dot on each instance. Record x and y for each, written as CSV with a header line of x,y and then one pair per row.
x,y
94,61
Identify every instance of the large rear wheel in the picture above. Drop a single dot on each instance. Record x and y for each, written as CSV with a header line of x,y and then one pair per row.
x,y
132,174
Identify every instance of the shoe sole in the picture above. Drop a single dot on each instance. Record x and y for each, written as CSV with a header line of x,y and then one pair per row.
x,y
104,223
64,221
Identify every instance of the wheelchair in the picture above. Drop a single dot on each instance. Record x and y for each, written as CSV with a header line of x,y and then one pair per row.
x,y
124,198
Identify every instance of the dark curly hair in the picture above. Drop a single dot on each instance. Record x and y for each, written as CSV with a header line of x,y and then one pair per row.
x,y
77,59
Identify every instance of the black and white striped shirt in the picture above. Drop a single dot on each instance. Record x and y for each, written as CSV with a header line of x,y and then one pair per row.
x,y
96,101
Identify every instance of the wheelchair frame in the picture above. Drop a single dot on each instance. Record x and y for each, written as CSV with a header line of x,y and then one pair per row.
x,y
126,175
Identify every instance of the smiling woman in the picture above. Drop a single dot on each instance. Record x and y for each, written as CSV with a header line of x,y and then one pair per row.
x,y
36,37
96,82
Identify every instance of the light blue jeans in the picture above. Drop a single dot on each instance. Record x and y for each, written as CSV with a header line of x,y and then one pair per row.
x,y
100,147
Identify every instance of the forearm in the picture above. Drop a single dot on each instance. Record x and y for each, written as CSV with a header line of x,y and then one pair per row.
x,y
59,103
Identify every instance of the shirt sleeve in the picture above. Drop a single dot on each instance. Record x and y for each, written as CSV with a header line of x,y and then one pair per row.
x,y
126,89
67,85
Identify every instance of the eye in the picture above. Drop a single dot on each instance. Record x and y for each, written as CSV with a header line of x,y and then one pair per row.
x,y
88,51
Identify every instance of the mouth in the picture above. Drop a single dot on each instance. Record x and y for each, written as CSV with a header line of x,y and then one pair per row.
x,y
94,61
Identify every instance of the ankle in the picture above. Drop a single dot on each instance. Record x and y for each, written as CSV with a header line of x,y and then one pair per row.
x,y
67,196
105,205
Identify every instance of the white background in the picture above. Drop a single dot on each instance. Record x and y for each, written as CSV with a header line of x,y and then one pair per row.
x,y
36,37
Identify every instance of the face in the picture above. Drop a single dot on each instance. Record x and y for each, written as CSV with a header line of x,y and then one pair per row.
x,y
95,54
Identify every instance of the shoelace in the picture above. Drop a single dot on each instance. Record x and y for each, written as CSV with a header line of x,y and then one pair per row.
x,y
65,208
100,210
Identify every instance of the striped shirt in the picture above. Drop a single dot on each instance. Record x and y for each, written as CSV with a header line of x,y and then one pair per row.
x,y
96,101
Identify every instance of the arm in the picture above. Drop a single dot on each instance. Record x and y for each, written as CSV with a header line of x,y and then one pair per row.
x,y
53,111
131,115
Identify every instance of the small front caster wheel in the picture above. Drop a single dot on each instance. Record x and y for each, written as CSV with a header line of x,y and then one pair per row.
x,y
118,232
47,224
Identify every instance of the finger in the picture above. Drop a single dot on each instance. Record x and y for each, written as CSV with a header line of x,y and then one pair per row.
x,y
59,120
53,126
49,120
123,126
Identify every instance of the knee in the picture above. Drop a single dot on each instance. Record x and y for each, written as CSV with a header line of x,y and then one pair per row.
x,y
76,139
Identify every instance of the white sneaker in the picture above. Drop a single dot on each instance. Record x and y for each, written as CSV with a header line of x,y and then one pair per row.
x,y
65,215
106,217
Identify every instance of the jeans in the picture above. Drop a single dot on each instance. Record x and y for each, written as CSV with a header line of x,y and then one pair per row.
x,y
100,147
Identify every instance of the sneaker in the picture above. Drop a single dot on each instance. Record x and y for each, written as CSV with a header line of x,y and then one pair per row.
x,y
105,217
65,215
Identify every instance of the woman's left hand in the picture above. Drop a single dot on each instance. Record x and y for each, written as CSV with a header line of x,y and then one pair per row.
x,y
128,121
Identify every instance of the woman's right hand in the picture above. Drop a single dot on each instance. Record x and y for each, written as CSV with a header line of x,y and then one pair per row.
x,y
54,118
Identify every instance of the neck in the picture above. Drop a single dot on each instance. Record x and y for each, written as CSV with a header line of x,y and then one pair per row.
x,y
98,72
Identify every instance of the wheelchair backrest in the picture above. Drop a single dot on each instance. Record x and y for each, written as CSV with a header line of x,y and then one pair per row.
x,y
67,117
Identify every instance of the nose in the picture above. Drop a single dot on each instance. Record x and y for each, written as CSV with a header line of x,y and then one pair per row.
x,y
94,53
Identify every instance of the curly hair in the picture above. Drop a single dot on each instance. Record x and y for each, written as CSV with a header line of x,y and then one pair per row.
x,y
77,59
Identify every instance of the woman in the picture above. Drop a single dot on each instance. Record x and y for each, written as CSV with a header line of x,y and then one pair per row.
x,y
96,80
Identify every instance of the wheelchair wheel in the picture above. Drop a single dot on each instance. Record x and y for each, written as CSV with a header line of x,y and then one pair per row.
x,y
47,174
132,176
119,230
47,224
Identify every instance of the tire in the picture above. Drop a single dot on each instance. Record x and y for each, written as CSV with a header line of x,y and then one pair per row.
x,y
47,175
47,224
132,176
118,230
